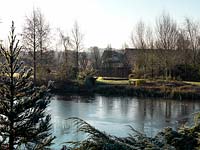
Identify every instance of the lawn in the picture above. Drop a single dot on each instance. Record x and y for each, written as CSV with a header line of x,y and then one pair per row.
x,y
115,81
193,83
123,81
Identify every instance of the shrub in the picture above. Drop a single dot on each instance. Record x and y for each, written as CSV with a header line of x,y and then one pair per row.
x,y
100,78
83,74
140,82
89,81
186,72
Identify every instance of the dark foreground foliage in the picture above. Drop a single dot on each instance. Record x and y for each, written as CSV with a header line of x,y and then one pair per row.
x,y
24,122
186,138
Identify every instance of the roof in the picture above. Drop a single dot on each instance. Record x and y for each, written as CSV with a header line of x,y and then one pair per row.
x,y
112,56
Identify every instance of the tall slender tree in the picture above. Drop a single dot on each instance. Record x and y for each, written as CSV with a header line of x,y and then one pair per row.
x,y
43,31
29,38
24,122
35,36
138,37
77,43
65,41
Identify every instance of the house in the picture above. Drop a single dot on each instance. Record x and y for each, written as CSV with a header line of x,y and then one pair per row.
x,y
112,58
114,64
148,62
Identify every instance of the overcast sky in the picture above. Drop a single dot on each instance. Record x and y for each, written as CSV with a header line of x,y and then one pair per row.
x,y
103,22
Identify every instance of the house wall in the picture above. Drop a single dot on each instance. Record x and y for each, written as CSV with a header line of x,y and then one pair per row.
x,y
114,72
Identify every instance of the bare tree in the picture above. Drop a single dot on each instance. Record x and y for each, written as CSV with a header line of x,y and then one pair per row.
x,y
138,36
167,36
66,43
95,57
35,36
149,38
150,55
65,40
183,42
83,59
30,40
166,32
43,30
183,45
77,43
193,34
142,39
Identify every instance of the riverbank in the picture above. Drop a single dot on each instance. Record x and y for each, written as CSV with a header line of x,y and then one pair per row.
x,y
152,89
135,87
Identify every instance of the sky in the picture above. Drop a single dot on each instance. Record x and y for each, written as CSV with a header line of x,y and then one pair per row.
x,y
102,22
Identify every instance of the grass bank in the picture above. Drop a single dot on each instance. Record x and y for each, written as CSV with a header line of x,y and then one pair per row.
x,y
149,88
133,87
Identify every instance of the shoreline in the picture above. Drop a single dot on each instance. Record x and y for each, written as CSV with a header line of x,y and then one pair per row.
x,y
189,92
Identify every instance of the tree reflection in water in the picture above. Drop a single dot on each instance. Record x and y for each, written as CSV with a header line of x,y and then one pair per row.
x,y
112,114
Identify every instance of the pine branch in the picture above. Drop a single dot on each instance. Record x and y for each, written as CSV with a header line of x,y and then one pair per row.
x,y
22,105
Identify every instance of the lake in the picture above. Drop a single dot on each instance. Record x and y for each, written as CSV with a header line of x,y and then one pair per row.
x,y
114,114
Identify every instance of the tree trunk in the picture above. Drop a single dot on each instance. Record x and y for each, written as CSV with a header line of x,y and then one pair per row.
x,y
34,52
12,90
11,140
34,66
77,67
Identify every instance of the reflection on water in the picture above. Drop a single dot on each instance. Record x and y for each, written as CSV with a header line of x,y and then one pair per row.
x,y
113,114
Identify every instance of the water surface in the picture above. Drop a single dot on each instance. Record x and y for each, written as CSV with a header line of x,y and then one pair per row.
x,y
113,114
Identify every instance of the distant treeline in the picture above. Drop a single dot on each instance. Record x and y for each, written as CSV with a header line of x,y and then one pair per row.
x,y
167,50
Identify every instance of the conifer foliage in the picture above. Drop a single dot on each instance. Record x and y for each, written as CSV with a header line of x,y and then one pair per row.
x,y
24,122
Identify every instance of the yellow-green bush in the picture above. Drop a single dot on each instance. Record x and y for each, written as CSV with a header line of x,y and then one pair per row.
x,y
140,82
100,78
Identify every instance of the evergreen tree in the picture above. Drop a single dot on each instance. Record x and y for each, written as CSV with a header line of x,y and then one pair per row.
x,y
24,123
